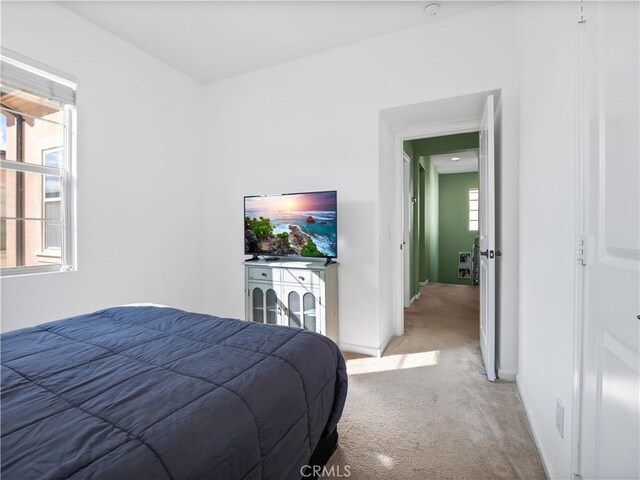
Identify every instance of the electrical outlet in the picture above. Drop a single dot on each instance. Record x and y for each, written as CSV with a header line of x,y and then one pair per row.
x,y
560,418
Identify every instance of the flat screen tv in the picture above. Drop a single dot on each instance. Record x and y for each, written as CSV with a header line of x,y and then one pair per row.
x,y
291,224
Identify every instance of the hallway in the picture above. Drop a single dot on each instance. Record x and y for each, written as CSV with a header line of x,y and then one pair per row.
x,y
427,406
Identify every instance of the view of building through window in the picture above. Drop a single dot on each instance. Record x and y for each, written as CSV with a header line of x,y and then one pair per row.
x,y
32,222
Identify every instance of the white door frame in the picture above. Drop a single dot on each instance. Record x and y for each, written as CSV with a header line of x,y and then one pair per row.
x,y
580,213
423,131
407,227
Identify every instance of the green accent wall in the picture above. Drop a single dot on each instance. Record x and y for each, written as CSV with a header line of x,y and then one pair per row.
x,y
408,148
418,205
429,265
446,144
426,257
453,231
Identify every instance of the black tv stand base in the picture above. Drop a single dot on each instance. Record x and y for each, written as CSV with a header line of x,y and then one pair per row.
x,y
256,258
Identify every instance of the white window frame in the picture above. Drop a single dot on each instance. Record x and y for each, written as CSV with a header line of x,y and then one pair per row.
x,y
67,172
48,251
477,199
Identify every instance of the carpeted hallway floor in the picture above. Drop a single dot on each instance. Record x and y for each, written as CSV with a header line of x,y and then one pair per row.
x,y
426,411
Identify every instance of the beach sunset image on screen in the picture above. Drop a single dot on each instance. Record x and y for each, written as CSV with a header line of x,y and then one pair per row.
x,y
301,224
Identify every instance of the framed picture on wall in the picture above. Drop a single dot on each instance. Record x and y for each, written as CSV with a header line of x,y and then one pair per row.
x,y
464,272
464,259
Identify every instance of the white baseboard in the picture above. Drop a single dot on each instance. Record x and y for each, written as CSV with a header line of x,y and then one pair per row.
x,y
366,350
413,300
536,436
384,345
363,349
506,375
426,282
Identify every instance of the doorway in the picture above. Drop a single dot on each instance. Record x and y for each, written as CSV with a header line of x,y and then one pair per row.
x,y
419,220
443,196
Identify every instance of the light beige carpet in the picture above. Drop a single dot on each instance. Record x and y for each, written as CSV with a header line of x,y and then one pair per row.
x,y
426,411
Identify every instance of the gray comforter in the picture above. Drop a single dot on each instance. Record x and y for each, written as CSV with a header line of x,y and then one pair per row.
x,y
159,393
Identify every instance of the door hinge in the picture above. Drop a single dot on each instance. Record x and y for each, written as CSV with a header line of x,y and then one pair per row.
x,y
582,16
583,250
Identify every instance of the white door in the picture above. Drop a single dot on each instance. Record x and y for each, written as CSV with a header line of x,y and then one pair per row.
x,y
407,220
487,241
610,420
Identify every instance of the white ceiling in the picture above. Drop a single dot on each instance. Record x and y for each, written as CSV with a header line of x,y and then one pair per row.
x,y
468,162
218,39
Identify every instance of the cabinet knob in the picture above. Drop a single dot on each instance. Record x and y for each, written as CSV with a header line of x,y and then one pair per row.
x,y
301,278
263,274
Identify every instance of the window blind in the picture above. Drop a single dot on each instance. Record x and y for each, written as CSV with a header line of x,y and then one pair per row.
x,y
17,74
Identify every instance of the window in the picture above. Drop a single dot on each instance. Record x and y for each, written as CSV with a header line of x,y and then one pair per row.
x,y
473,209
52,197
37,207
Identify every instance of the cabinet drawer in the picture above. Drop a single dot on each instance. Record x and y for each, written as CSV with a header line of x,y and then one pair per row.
x,y
264,274
308,278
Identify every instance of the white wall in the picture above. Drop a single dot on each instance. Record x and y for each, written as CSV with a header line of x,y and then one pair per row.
x,y
139,186
547,53
314,124
507,200
386,234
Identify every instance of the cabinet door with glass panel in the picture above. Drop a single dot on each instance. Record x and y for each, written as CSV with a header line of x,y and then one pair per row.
x,y
302,308
265,306
283,293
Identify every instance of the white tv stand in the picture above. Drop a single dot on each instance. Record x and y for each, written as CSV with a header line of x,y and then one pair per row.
x,y
297,293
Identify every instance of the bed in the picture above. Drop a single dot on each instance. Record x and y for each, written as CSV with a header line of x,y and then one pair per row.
x,y
160,393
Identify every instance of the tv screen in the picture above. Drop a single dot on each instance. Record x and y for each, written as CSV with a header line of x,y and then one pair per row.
x,y
303,224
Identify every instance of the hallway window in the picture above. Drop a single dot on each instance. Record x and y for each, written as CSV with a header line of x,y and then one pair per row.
x,y
473,210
